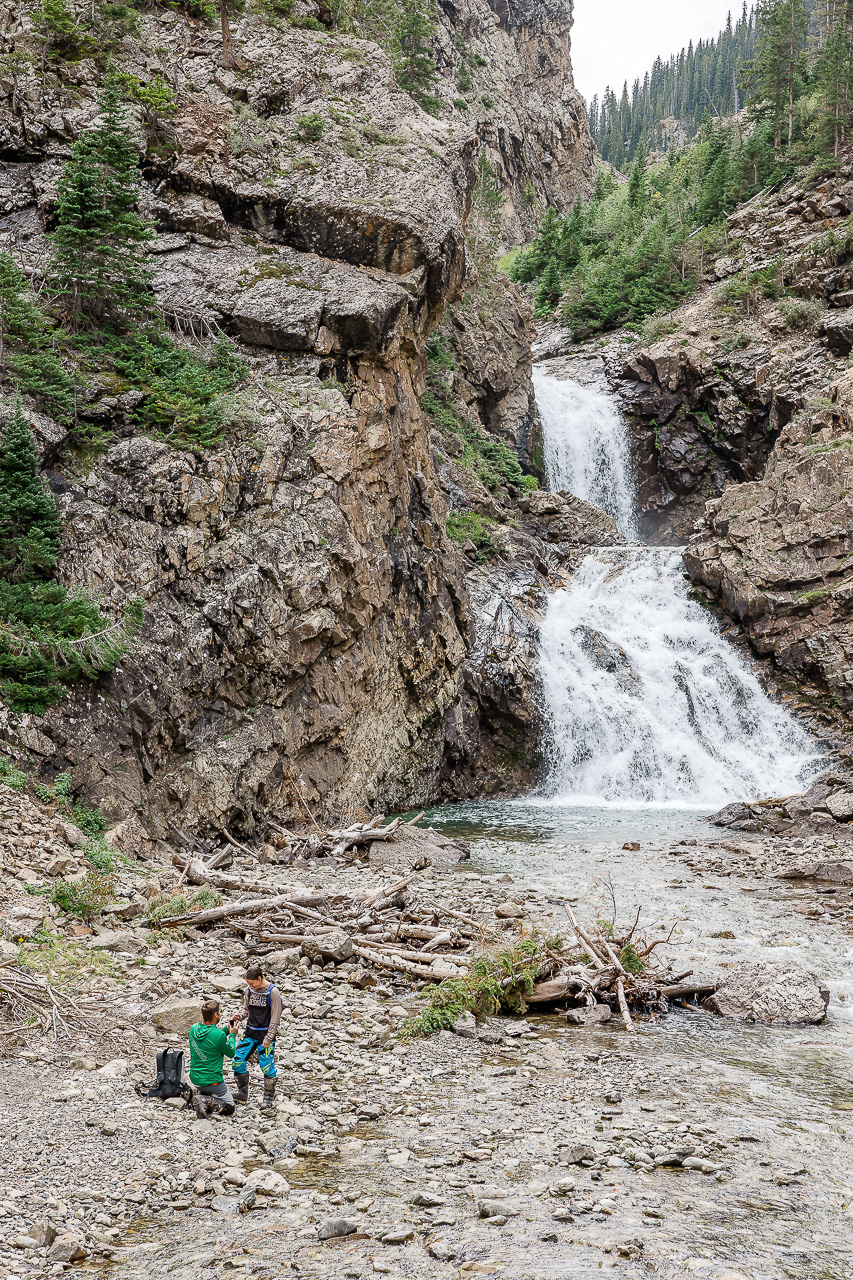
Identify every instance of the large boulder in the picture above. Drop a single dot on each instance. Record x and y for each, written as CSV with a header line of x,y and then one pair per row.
x,y
835,872
24,919
778,994
334,945
177,1014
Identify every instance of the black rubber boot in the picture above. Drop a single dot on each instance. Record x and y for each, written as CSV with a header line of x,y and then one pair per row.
x,y
268,1100
201,1105
242,1092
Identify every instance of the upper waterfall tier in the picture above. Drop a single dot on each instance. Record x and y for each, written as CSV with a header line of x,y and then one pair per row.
x,y
587,450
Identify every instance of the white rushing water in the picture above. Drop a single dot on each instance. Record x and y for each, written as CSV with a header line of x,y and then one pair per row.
x,y
587,451
647,702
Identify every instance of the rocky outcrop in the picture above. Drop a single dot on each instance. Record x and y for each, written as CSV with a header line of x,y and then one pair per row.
x,y
490,335
311,630
825,809
782,995
508,75
776,553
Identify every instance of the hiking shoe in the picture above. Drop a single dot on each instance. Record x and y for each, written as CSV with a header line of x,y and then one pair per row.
x,y
241,1094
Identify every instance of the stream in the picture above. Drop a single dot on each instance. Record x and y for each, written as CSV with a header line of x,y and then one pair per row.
x,y
654,722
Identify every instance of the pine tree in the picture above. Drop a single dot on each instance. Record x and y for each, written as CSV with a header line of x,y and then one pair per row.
x,y
776,72
550,287
414,56
834,70
638,187
29,520
98,267
26,354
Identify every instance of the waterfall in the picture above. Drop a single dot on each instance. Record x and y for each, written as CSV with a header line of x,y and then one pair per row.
x,y
646,701
586,448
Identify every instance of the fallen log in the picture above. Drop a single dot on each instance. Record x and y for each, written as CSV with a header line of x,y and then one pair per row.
x,y
404,966
212,914
680,989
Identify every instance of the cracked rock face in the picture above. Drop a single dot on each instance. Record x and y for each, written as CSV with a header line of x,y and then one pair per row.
x,y
783,994
307,619
777,552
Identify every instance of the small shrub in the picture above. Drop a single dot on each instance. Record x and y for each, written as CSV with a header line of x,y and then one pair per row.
x,y
497,981
630,961
83,898
734,340
162,906
800,313
437,354
656,326
11,776
485,533
460,104
310,128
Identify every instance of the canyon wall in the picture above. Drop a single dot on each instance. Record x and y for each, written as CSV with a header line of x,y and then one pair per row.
x,y
313,636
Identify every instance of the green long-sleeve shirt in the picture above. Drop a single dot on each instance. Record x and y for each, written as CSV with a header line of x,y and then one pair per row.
x,y
208,1046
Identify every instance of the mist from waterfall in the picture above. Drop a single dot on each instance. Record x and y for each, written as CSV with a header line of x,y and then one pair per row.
x,y
646,701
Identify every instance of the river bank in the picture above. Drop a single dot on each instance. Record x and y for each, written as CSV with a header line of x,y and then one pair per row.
x,y
506,1122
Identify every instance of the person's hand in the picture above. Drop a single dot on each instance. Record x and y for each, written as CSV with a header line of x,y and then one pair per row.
x,y
234,1022
267,1044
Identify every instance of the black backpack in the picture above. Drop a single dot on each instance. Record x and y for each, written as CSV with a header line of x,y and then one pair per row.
x,y
170,1081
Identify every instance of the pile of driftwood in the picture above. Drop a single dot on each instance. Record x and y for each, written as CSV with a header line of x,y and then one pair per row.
x,y
30,1005
282,846
400,929
380,929
608,968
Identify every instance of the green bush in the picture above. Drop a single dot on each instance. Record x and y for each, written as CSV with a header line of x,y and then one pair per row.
x,y
11,776
800,313
49,636
162,906
83,898
497,982
310,128
26,350
183,388
485,533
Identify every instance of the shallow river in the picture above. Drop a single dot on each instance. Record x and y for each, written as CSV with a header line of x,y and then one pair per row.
x,y
788,1087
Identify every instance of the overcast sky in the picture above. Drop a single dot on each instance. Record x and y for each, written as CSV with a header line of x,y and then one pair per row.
x,y
618,40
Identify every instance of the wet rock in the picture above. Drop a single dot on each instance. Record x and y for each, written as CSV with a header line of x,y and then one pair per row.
x,y
837,872
775,994
608,656
592,1015
67,1248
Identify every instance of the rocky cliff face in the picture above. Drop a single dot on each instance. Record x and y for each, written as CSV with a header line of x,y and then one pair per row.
x,y
312,634
734,365
508,74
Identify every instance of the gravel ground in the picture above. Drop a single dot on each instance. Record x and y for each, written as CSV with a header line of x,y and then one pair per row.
x,y
527,1150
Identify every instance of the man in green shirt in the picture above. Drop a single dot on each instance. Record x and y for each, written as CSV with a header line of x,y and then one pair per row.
x,y
209,1045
